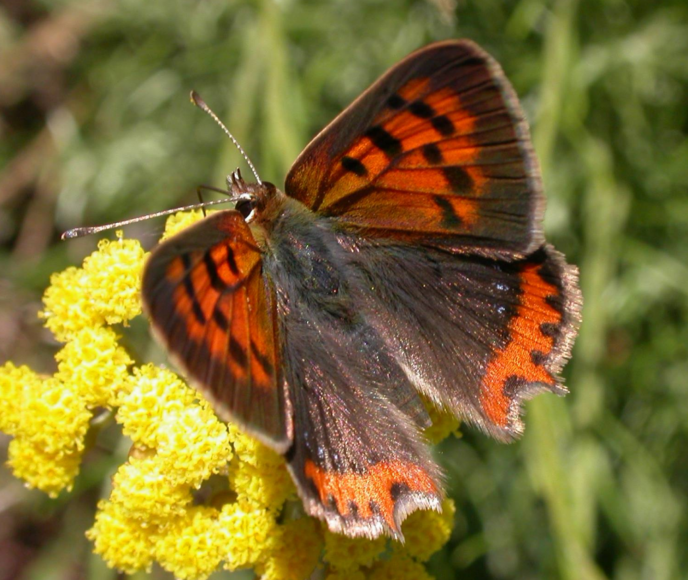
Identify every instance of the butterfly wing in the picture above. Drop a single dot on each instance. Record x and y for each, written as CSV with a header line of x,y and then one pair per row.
x,y
358,458
214,308
436,151
358,461
475,335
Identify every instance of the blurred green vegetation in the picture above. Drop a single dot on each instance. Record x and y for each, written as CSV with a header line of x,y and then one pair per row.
x,y
95,126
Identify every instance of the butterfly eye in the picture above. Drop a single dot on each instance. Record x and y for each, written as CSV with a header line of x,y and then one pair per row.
x,y
246,207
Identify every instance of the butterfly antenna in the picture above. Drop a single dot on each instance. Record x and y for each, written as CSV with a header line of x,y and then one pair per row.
x,y
87,231
200,103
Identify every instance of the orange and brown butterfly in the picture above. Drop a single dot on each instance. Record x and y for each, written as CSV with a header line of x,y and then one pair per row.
x,y
405,257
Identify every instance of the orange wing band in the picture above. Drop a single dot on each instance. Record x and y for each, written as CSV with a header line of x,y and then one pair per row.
x,y
365,495
523,358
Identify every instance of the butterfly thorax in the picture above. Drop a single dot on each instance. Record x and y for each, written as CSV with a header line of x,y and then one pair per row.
x,y
303,256
294,240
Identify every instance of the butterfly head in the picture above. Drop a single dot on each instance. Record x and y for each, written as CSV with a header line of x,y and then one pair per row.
x,y
257,202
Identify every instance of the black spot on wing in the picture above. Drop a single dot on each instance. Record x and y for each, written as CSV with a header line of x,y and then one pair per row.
x,y
398,489
191,291
354,166
538,357
449,218
388,144
396,102
459,179
263,361
231,261
220,319
197,310
556,302
237,353
443,125
421,110
186,260
549,329
432,154
211,267
512,385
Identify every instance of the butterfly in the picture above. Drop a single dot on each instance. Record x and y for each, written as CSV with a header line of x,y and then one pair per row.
x,y
405,259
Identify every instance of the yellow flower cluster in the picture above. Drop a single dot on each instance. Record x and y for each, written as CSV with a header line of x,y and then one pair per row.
x,y
195,494
49,423
105,290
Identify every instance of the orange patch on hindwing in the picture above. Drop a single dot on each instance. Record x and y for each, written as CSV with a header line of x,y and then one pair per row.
x,y
365,495
530,342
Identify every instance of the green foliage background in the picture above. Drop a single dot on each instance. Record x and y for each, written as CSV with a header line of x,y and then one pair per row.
x,y
95,126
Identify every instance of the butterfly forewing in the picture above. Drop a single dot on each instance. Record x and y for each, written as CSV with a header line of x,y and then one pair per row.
x,y
436,151
213,307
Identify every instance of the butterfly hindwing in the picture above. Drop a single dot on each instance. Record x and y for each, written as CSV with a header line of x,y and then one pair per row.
x,y
358,458
358,462
215,310
475,335
437,152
